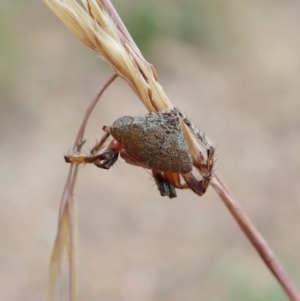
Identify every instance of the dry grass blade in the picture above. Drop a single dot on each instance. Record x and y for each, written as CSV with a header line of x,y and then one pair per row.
x,y
66,237
99,27
95,28
258,242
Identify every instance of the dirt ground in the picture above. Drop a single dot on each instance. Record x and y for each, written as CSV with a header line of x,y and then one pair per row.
x,y
242,90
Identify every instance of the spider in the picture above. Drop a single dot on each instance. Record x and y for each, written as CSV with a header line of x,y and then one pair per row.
x,y
156,142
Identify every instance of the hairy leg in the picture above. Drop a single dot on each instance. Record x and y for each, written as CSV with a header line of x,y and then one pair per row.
x,y
164,186
104,160
199,187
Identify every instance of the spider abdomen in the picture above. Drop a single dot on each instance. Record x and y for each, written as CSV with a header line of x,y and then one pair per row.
x,y
154,141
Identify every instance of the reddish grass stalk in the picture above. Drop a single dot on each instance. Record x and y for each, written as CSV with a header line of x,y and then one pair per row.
x,y
256,239
67,213
233,206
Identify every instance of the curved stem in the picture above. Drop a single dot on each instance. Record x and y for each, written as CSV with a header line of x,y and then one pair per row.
x,y
89,110
255,238
67,237
233,206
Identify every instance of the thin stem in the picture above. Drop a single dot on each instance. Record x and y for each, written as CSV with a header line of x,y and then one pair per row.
x,y
68,203
235,209
89,110
255,238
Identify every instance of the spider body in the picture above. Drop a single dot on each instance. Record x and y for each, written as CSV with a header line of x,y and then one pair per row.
x,y
154,141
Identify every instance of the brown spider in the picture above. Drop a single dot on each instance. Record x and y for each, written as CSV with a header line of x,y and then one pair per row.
x,y
154,141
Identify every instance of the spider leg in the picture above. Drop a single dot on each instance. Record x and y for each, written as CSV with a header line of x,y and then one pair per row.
x,y
81,159
109,157
168,181
79,145
165,187
206,168
197,133
198,187
174,178
98,146
104,160
204,165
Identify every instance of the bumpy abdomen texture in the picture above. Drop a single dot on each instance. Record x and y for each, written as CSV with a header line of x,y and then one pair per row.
x,y
156,140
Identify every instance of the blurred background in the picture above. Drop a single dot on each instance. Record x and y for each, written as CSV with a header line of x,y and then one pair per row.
x,y
234,68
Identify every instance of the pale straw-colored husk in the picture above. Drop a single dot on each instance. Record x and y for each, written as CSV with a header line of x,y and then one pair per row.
x,y
96,29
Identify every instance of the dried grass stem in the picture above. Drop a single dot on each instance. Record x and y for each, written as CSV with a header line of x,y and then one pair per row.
x,y
99,27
